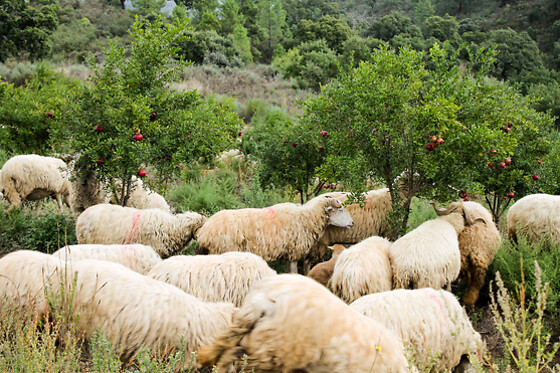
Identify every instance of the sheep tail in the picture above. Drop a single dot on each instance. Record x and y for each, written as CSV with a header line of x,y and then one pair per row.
x,y
226,349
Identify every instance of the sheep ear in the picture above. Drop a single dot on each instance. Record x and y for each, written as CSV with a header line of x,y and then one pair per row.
x,y
329,209
331,248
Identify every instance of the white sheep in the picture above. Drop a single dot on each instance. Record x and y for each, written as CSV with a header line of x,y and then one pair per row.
x,y
213,278
369,220
136,312
536,217
166,233
142,197
285,230
431,323
291,323
25,278
429,255
478,244
33,177
140,258
363,269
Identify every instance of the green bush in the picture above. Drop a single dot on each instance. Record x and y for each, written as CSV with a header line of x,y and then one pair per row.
x,y
46,232
509,257
211,193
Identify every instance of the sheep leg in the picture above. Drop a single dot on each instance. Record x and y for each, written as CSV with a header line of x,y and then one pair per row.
x,y
13,198
475,282
291,266
37,207
306,266
58,202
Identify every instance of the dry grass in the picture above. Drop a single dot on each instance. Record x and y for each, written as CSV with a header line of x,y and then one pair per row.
x,y
253,82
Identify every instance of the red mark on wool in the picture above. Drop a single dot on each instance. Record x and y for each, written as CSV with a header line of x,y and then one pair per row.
x,y
135,223
435,297
270,211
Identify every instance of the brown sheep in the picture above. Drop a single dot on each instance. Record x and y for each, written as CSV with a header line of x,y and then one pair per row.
x,y
478,244
322,272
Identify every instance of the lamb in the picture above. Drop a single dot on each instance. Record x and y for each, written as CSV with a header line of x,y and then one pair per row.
x,y
429,322
213,278
363,269
25,276
142,197
33,177
139,258
322,272
285,230
136,312
478,244
291,323
429,255
536,217
166,233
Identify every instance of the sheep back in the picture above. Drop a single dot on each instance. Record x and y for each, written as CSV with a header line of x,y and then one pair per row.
x,y
428,256
536,217
140,258
25,278
141,197
214,278
284,230
284,313
134,311
167,234
429,322
363,269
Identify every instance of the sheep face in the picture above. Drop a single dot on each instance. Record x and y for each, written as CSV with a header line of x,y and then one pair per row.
x,y
338,215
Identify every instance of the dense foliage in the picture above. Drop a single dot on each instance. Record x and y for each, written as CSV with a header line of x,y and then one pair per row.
x,y
402,116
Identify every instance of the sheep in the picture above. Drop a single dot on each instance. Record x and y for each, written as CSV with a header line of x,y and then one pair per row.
x,y
136,312
363,269
322,272
291,323
33,177
166,233
284,230
429,255
478,244
369,220
142,197
140,258
213,278
536,217
25,276
429,322
87,191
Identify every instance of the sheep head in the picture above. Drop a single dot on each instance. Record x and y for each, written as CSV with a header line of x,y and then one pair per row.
x,y
338,215
458,209
336,249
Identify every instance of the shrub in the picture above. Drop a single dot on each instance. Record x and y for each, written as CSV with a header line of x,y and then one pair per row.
x,y
507,262
46,232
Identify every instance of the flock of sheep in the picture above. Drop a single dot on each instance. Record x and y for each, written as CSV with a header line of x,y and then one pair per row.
x,y
368,309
